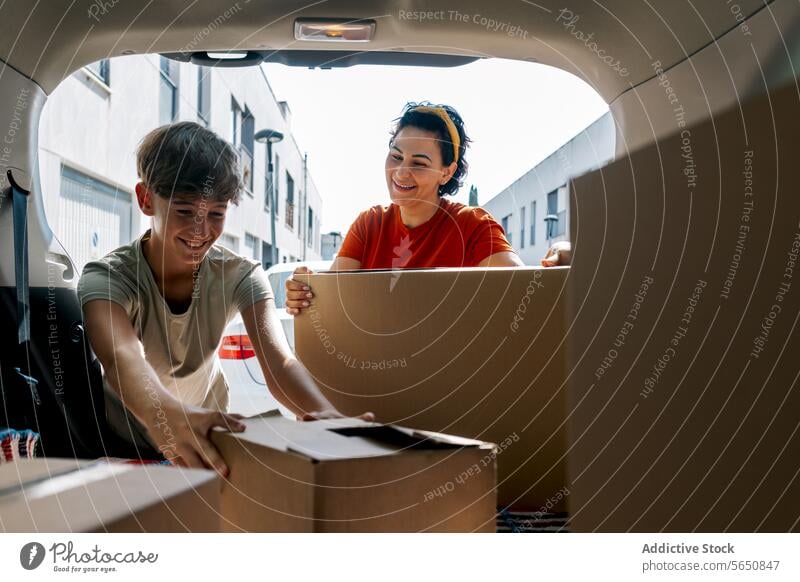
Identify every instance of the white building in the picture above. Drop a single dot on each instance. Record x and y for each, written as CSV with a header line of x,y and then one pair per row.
x,y
94,120
523,206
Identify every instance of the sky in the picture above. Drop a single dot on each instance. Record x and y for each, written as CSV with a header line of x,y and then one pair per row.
x,y
516,114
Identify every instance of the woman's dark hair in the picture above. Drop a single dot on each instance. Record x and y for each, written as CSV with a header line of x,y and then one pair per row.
x,y
433,123
187,158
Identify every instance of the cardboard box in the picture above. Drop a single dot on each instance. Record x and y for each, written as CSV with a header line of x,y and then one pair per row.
x,y
347,475
67,495
473,352
685,294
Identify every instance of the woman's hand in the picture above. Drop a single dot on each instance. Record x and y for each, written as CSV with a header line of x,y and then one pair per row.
x,y
181,434
333,413
298,295
558,255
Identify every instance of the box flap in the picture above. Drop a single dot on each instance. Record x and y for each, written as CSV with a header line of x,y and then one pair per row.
x,y
87,495
346,438
452,439
83,476
266,414
27,472
460,270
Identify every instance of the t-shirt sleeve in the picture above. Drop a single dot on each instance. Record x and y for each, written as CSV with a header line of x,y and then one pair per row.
x,y
355,240
487,238
253,287
98,281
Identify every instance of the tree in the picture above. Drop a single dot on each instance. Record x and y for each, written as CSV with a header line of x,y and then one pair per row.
x,y
473,195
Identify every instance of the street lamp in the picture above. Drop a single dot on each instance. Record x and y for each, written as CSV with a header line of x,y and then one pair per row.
x,y
269,137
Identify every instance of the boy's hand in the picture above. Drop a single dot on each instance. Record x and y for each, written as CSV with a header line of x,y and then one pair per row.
x,y
333,413
298,295
181,433
560,254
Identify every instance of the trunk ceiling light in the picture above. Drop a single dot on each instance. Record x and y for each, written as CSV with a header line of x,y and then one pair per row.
x,y
334,30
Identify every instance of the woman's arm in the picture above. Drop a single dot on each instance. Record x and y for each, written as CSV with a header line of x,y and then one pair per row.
x,y
504,259
287,378
558,255
299,295
345,264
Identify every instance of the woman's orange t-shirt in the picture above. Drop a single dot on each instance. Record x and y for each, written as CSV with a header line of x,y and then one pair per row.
x,y
455,236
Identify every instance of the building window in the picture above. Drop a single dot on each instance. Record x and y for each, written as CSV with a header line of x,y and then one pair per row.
x,y
168,92
522,227
266,260
300,216
102,70
506,220
290,200
533,223
246,149
204,95
559,226
236,123
242,137
252,246
310,227
552,210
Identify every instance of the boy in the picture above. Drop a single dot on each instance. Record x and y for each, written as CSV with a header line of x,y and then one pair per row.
x,y
155,310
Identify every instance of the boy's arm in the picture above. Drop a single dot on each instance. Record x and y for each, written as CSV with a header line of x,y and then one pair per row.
x,y
287,378
179,431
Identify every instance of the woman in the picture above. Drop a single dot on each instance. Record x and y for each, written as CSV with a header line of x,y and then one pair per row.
x,y
421,227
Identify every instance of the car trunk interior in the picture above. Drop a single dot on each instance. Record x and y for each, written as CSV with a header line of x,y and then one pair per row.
x,y
619,48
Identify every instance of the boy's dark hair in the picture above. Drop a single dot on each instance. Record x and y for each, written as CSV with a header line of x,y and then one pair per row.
x,y
433,123
187,158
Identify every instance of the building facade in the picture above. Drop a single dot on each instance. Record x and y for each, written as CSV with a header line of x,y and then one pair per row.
x,y
534,210
95,119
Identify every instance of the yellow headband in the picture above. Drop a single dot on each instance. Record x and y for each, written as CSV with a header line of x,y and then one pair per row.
x,y
451,127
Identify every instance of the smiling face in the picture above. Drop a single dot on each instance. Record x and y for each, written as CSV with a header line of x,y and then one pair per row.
x,y
414,169
184,227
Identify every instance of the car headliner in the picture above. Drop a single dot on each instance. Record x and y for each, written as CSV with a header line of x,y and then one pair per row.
x,y
47,41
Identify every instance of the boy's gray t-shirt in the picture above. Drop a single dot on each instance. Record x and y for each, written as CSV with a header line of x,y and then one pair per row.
x,y
181,348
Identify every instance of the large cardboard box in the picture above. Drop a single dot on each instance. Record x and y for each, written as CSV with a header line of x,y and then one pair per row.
x,y
67,495
473,352
347,475
684,302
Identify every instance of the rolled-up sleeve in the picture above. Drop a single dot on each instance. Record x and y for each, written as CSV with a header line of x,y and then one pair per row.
x,y
253,287
99,282
487,238
355,239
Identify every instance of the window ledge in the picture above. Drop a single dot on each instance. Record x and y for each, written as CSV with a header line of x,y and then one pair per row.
x,y
96,81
